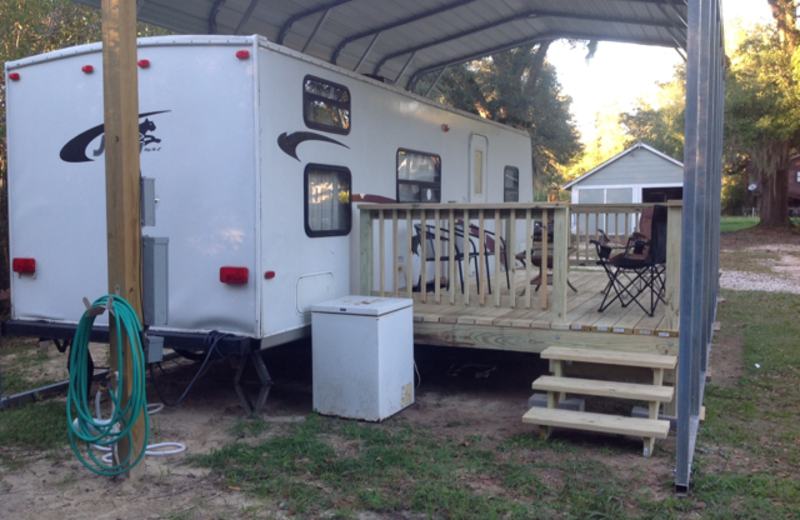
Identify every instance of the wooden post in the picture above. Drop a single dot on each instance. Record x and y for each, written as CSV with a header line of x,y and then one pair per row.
x,y
124,232
673,274
367,259
560,261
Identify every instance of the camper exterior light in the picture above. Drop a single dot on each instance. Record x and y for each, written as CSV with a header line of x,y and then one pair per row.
x,y
24,265
445,128
242,55
14,76
269,275
233,275
88,69
143,63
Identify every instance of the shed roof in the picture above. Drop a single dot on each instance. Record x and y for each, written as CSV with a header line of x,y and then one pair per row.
x,y
637,146
404,39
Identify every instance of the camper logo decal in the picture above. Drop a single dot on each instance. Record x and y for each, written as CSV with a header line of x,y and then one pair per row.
x,y
289,143
75,150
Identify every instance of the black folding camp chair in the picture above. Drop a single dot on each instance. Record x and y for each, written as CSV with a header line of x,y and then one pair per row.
x,y
639,270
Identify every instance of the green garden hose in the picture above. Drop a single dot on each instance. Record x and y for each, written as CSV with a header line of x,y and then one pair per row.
x,y
107,432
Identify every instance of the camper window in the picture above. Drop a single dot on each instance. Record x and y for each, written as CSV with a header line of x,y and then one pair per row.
x,y
511,184
327,200
419,176
326,105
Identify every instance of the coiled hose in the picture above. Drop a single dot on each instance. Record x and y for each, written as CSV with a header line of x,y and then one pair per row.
x,y
107,432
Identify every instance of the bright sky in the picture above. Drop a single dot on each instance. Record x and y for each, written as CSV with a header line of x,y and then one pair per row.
x,y
621,73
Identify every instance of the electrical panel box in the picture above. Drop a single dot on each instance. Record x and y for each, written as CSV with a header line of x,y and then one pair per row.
x,y
155,280
155,349
147,198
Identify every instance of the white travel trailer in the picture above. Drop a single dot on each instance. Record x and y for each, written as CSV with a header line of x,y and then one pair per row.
x,y
255,150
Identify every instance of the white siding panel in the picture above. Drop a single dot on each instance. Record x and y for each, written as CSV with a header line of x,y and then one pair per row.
x,y
638,167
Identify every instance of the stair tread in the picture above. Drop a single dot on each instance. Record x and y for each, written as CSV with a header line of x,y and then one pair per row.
x,y
611,357
571,385
597,422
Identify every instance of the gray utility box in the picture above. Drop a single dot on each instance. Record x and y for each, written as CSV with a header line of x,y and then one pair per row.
x,y
155,280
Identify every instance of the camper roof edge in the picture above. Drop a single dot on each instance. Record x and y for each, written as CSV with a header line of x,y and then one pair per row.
x,y
250,40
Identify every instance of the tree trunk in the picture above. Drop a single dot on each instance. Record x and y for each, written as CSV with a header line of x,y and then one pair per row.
x,y
775,199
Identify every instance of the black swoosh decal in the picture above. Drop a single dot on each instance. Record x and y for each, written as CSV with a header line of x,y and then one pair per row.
x,y
289,143
75,150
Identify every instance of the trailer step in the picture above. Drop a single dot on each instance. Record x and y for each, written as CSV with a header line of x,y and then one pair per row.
x,y
662,394
597,422
607,357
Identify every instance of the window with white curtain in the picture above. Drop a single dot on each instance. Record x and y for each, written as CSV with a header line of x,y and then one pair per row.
x,y
327,200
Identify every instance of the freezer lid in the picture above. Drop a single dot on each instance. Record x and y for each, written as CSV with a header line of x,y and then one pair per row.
x,y
362,305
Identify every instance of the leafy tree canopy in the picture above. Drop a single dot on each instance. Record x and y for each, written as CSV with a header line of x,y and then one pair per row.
x,y
518,88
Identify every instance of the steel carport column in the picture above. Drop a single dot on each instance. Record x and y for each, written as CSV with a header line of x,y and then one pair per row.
x,y
700,242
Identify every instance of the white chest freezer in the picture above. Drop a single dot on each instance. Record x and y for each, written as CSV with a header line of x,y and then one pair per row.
x,y
363,356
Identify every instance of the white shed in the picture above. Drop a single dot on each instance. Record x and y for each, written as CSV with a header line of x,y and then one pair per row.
x,y
639,174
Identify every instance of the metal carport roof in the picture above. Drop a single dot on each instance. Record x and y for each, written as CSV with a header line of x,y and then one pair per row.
x,y
403,39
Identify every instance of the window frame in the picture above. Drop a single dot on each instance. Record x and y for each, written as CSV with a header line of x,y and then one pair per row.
x,y
310,123
421,184
329,232
505,188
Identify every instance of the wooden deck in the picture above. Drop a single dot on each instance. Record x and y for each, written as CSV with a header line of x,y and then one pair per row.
x,y
527,327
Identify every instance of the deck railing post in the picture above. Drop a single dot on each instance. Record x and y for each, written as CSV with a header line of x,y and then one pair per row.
x,y
367,253
673,274
560,260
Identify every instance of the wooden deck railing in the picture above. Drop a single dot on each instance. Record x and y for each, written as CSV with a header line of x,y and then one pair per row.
x,y
445,228
618,221
388,245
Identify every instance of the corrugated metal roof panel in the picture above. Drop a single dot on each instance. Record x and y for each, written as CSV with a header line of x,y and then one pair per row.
x,y
444,31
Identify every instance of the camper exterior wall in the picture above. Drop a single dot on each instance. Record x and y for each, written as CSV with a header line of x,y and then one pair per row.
x,y
228,195
203,163
384,119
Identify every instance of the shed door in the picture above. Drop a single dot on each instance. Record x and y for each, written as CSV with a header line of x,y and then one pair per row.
x,y
478,146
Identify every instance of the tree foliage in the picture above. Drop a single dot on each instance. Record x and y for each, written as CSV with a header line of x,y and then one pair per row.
x,y
762,108
518,88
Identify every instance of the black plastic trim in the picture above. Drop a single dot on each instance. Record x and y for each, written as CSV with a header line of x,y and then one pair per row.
x,y
191,341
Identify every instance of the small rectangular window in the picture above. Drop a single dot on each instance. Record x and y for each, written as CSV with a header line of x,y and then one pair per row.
x,y
478,160
511,184
419,176
327,200
798,177
326,105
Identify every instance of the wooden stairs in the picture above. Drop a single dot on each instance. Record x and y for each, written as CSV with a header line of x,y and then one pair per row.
x,y
557,386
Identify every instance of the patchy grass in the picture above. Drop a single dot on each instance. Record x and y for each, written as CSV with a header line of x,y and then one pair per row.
x,y
747,463
750,261
22,365
728,224
31,429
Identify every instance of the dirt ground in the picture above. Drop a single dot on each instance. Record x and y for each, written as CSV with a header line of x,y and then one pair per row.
x,y
453,400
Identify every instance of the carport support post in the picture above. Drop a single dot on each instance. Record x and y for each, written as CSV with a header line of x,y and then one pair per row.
x,y
121,100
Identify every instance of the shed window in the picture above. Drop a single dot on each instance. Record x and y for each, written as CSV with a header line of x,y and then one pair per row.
x,y
326,105
511,184
327,200
419,176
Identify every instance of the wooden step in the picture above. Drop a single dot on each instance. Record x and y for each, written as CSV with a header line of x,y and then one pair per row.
x,y
597,422
662,394
611,357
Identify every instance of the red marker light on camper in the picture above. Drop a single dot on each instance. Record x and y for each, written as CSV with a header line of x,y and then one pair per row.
x,y
143,63
233,275
242,55
24,265
269,275
14,76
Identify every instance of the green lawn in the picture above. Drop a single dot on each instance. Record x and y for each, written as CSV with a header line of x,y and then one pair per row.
x,y
728,224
